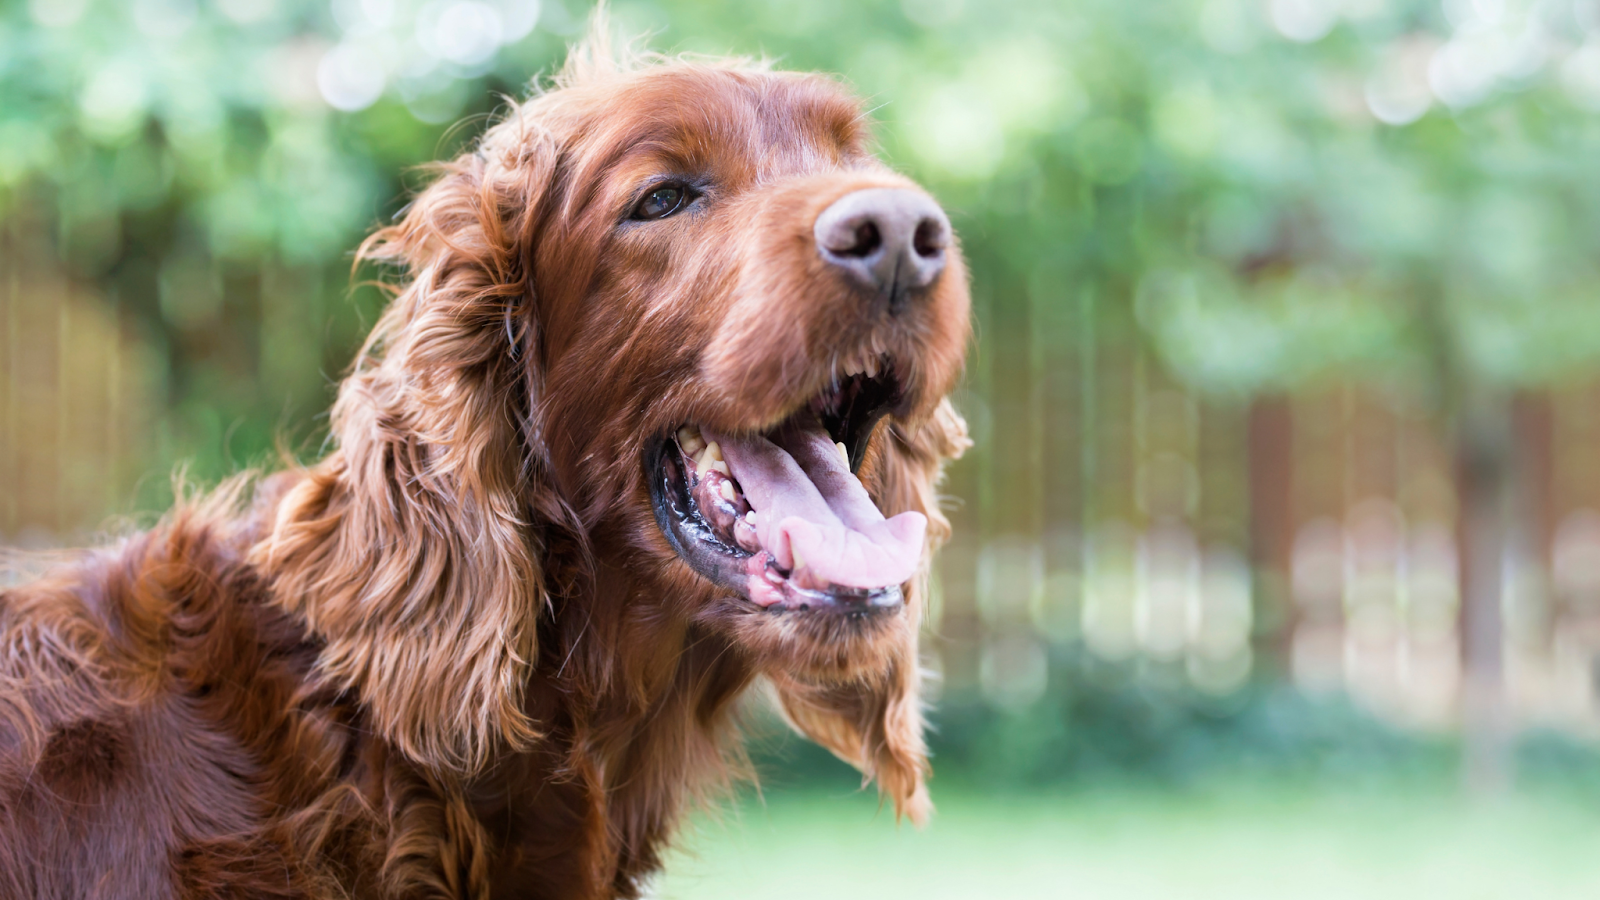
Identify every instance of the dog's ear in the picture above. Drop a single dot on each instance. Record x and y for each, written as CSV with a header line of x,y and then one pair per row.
x,y
875,723
412,550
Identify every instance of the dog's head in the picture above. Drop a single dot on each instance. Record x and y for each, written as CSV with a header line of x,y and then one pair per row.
x,y
679,314
745,321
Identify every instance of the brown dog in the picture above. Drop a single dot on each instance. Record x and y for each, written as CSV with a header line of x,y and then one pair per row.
x,y
658,411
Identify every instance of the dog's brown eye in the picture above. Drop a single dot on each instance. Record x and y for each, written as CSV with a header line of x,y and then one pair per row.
x,y
661,202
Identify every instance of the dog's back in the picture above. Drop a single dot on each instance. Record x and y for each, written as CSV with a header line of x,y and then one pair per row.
x,y
154,712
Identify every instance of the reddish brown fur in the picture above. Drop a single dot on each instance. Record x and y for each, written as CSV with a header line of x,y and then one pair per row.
x,y
457,658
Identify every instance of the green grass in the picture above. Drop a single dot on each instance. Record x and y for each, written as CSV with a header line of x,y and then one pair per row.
x,y
1366,843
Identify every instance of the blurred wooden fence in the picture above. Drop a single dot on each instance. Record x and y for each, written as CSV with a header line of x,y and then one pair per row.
x,y
79,398
1313,535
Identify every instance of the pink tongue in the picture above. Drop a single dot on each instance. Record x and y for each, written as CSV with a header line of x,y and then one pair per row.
x,y
808,504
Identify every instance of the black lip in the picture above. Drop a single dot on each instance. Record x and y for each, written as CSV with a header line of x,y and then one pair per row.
x,y
862,404
686,530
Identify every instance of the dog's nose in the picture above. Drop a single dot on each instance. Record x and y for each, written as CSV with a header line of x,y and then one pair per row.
x,y
890,240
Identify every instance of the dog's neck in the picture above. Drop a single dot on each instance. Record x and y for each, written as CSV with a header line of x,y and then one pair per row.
x,y
629,744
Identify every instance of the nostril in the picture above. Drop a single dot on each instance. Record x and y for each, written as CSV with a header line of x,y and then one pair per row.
x,y
867,240
930,238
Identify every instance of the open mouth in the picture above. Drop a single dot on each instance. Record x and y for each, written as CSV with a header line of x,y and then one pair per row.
x,y
780,516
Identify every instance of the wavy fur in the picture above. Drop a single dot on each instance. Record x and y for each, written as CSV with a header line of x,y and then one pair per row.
x,y
457,657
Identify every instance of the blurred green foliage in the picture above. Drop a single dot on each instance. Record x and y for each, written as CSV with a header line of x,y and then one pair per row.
x,y
1274,190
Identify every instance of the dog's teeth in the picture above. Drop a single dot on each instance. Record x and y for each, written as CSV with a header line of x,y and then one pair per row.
x,y
750,516
844,454
711,458
871,367
711,455
690,440
798,562
852,368
726,490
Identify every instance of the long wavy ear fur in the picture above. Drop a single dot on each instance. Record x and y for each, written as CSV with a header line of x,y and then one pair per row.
x,y
876,724
411,550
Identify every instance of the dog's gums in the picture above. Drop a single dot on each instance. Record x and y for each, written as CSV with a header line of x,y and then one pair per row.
x,y
780,517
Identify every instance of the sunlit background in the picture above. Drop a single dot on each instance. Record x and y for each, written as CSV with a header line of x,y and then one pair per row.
x,y
1277,561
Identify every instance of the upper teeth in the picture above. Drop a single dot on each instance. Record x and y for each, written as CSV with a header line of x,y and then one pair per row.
x,y
690,440
710,458
863,364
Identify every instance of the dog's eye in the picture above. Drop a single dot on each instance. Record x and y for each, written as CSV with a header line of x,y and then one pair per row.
x,y
662,202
